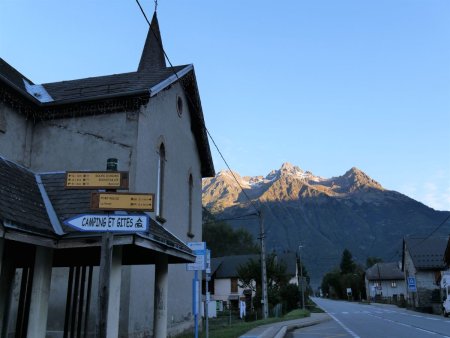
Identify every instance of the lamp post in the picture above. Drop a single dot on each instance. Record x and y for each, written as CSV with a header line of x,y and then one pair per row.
x,y
301,275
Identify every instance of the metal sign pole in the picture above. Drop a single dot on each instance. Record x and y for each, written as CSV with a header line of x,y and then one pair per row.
x,y
195,303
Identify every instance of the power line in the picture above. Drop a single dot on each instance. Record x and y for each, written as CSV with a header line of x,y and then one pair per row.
x,y
431,233
207,131
231,171
156,37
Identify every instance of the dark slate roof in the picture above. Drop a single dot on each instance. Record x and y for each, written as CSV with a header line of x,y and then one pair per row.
x,y
21,203
26,208
427,253
227,266
385,271
100,86
11,75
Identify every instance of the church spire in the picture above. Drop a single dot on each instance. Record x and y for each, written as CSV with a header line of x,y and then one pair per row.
x,y
152,57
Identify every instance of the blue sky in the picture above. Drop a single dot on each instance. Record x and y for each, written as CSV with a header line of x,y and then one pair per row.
x,y
325,85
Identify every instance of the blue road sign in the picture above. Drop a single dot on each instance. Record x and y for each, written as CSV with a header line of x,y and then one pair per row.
x,y
412,284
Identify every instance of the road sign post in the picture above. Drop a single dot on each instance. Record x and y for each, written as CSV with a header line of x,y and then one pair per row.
x,y
199,249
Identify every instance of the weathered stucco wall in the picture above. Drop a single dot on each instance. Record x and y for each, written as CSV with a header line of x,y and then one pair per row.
x,y
84,143
160,122
15,136
134,138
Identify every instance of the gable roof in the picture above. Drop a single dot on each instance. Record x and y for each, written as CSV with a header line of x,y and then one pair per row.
x,y
115,92
426,253
385,271
33,208
226,267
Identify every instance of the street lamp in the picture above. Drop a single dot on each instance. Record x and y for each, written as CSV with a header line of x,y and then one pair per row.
x,y
301,275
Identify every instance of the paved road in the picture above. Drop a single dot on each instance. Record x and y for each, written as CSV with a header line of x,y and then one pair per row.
x,y
354,320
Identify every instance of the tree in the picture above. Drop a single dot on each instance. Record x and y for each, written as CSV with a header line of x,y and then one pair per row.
x,y
347,264
290,297
331,286
249,275
371,261
222,240
350,275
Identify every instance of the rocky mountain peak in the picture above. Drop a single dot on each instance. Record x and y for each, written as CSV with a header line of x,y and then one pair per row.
x,y
357,178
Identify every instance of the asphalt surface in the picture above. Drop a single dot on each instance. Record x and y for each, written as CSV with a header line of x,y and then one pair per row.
x,y
279,330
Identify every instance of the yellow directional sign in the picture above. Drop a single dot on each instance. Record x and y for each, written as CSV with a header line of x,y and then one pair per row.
x,y
122,201
97,180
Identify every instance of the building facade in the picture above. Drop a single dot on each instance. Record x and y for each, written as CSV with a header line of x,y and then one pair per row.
x,y
152,122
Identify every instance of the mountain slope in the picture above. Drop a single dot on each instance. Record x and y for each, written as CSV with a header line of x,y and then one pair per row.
x,y
324,215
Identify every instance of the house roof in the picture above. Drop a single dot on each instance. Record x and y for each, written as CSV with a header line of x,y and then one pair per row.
x,y
33,208
226,267
385,271
57,99
426,253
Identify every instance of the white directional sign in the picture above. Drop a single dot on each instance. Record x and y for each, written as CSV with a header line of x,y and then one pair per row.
x,y
199,250
113,223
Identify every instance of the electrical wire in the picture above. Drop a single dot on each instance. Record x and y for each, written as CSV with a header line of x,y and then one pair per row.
x,y
231,171
207,131
431,233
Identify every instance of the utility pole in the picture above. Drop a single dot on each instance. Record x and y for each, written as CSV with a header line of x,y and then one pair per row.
x,y
301,275
263,267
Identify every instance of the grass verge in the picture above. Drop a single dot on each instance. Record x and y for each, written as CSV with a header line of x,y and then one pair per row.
x,y
239,328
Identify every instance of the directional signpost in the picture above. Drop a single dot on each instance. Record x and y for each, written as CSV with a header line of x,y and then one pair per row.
x,y
122,201
116,223
110,180
96,180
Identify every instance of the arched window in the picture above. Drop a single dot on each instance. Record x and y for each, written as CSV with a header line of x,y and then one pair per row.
x,y
160,187
191,190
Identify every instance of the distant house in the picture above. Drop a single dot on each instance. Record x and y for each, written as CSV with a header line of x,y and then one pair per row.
x,y
385,281
151,120
224,285
423,264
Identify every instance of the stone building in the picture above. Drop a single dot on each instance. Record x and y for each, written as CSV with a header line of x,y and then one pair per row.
x,y
423,263
151,120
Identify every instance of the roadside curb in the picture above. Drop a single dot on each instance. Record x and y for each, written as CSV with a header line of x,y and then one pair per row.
x,y
280,330
289,328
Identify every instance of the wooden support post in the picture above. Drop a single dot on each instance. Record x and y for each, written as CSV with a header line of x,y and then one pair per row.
x,y
103,287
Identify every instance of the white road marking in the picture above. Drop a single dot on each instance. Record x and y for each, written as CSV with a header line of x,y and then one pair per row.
x,y
407,325
354,335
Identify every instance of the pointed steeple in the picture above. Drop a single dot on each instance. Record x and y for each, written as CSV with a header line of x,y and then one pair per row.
x,y
152,57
